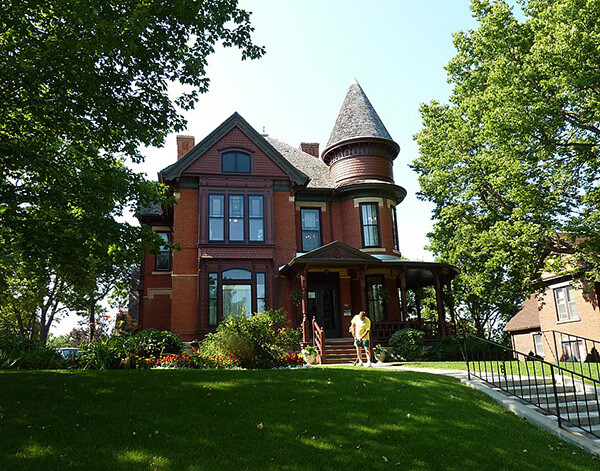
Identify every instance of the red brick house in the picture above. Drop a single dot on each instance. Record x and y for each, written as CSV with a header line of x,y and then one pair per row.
x,y
263,224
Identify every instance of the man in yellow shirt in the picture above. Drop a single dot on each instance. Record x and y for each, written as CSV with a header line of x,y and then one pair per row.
x,y
361,327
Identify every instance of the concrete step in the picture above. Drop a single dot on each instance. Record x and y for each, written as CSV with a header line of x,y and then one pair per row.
x,y
574,406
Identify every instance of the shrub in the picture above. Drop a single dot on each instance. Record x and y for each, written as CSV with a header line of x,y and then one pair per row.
x,y
257,341
17,352
41,359
105,354
152,342
407,344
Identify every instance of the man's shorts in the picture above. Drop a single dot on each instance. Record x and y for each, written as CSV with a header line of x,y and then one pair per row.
x,y
362,343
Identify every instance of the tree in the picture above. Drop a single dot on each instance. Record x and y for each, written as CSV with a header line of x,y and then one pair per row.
x,y
511,162
83,87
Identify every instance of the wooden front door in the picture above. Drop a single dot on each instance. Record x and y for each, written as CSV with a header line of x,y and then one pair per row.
x,y
322,303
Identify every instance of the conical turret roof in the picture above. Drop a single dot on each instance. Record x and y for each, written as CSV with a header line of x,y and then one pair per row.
x,y
357,118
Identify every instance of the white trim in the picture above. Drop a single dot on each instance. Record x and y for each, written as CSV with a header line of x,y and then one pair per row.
x,y
158,292
357,201
311,205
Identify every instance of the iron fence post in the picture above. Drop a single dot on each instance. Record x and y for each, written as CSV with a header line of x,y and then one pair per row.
x,y
555,396
555,348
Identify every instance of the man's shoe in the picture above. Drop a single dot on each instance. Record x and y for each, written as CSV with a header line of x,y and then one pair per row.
x,y
360,363
354,362
369,363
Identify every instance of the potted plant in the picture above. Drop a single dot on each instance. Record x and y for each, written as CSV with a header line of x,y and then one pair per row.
x,y
380,353
310,354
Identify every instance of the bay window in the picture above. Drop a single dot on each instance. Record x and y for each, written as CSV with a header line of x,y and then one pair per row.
x,y
236,291
245,216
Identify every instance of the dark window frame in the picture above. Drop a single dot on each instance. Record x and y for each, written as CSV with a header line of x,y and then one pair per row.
x,y
302,230
162,250
395,228
364,225
221,218
252,281
225,219
243,216
236,154
370,280
256,218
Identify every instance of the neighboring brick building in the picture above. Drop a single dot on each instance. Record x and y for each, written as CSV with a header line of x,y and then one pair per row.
x,y
263,224
560,323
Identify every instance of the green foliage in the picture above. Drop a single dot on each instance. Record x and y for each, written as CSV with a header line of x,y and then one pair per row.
x,y
257,341
19,353
407,344
511,163
83,88
152,342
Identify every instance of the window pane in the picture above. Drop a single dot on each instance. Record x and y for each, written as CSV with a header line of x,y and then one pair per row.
x,y
237,274
237,299
370,224
260,285
163,260
236,218
243,163
255,204
375,302
394,228
216,206
310,240
310,219
216,229
257,233
228,161
212,298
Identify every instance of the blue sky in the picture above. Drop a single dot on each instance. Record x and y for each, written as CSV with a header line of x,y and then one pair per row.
x,y
396,50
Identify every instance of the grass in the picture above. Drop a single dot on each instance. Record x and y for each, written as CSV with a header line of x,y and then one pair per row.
x,y
312,419
511,367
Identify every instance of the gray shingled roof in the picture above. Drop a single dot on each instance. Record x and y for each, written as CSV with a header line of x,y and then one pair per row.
x,y
312,166
152,209
357,118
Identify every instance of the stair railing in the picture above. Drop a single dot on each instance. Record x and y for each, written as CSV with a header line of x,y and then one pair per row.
x,y
574,352
569,395
318,340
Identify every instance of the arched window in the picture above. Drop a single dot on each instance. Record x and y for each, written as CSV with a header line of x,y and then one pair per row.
x,y
235,162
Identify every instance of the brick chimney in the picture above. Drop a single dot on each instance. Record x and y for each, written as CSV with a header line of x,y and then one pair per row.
x,y
311,148
184,145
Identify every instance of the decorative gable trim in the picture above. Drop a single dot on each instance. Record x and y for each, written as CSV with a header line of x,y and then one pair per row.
x,y
175,170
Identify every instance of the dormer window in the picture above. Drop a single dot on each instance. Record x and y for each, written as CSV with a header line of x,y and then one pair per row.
x,y
235,162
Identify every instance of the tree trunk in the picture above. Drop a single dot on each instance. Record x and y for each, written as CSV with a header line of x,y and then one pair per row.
x,y
92,320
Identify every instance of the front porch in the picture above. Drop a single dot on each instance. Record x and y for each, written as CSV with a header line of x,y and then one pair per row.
x,y
335,282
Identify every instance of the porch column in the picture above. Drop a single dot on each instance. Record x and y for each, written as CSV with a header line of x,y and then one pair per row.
x,y
439,304
403,299
451,302
304,290
363,289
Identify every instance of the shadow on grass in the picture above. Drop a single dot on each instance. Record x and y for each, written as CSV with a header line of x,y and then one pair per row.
x,y
333,418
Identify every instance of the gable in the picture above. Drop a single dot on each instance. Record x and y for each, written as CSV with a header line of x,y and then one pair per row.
x,y
234,133
209,163
337,251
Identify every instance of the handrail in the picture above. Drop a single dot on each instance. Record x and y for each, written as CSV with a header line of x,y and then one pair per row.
x,y
569,395
571,358
383,330
318,340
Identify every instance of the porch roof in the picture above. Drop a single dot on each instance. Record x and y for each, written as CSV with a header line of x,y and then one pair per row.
x,y
337,254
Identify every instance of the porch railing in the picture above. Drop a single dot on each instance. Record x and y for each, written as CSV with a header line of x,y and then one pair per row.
x,y
569,395
383,330
318,338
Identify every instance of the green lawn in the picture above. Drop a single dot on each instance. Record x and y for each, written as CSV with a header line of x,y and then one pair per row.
x,y
312,419
511,367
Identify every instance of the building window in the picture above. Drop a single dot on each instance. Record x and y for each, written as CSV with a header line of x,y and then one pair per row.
x,y
256,215
395,228
216,217
375,297
538,344
565,303
240,226
311,229
213,298
572,349
235,162
370,224
236,218
163,258
240,292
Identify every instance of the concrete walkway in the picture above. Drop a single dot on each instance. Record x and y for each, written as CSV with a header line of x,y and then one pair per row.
x,y
515,405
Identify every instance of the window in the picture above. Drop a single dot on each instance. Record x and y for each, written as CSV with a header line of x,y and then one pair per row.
x,y
239,291
538,344
256,205
370,224
311,229
375,297
565,303
216,217
235,162
213,298
572,349
236,218
245,217
163,258
395,228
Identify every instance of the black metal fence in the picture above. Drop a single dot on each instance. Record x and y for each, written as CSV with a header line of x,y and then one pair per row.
x,y
573,352
571,396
